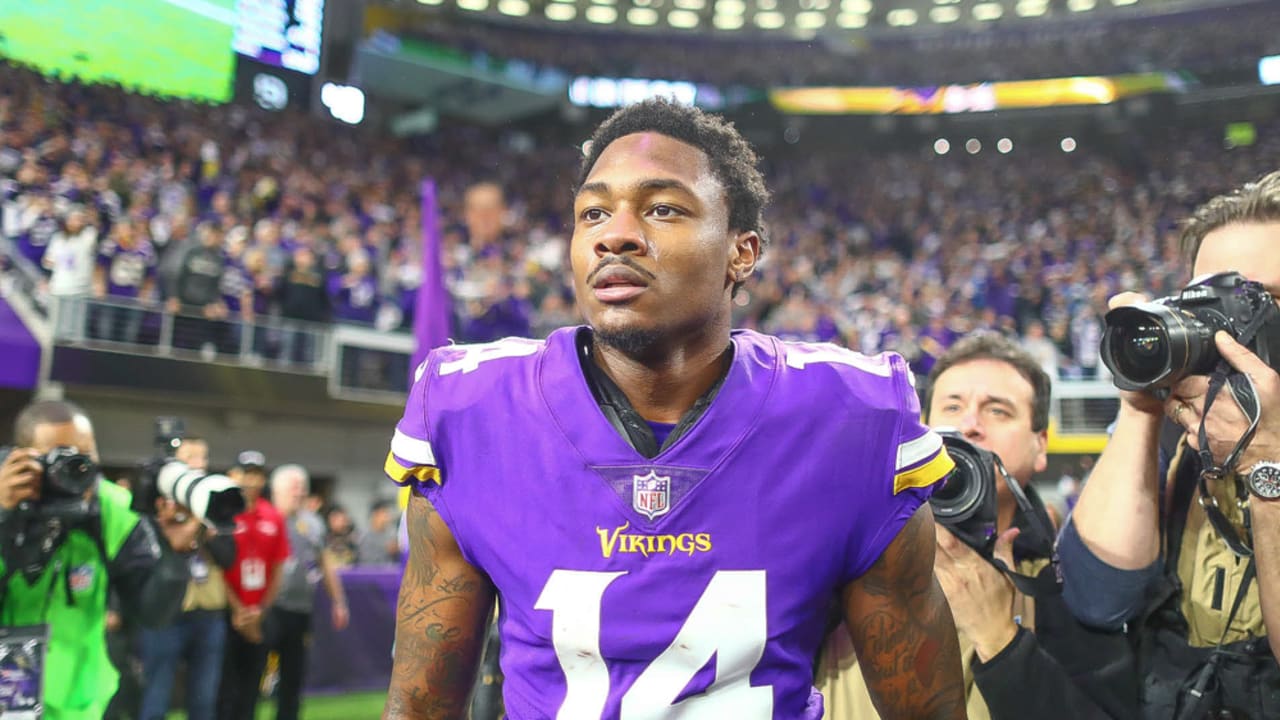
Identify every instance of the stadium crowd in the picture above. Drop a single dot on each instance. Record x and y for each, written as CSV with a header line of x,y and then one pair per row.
x,y
114,194
1226,42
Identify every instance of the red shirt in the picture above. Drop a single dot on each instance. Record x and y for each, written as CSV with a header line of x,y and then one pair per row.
x,y
261,545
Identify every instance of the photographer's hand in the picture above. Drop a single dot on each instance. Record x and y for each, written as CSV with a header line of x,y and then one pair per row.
x,y
1226,422
980,596
20,478
180,526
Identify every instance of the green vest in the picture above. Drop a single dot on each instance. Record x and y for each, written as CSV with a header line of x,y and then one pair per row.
x,y
79,679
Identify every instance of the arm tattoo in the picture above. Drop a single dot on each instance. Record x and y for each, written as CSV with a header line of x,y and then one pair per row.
x,y
440,621
903,631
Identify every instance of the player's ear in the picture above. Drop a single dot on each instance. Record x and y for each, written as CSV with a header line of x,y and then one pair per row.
x,y
744,253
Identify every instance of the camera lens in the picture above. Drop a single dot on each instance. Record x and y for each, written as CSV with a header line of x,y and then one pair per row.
x,y
1142,350
1152,346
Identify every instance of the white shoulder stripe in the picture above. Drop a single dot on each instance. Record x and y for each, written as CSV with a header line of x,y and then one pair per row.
x,y
412,449
923,447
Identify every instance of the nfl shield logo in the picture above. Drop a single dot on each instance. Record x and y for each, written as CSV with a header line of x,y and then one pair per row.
x,y
651,494
81,578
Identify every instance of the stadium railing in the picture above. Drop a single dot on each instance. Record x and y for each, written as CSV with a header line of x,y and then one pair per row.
x,y
359,363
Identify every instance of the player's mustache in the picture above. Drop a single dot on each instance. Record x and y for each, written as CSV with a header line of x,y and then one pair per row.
x,y
609,260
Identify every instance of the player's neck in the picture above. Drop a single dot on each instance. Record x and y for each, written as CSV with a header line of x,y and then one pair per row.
x,y
663,387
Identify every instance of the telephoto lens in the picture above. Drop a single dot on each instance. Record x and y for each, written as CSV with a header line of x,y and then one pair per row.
x,y
215,499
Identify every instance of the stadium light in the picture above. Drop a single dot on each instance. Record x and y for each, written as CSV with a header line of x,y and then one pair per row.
x,y
988,11
1031,8
862,7
474,5
691,4
944,14
602,14
514,8
682,19
345,102
430,2
946,2
902,17
1081,5
810,20
1068,144
941,146
770,20
973,146
642,16
1119,3
767,5
1004,146
560,12
1269,70
727,22
851,21
731,7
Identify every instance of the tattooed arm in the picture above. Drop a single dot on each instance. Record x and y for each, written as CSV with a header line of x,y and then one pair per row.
x,y
440,623
902,630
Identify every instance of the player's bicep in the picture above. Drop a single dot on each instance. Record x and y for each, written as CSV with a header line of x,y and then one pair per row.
x,y
440,620
902,629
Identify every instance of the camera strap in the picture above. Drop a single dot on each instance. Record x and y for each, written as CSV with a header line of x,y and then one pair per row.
x,y
1246,396
1037,535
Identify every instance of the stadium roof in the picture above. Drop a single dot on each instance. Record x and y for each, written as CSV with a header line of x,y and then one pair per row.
x,y
802,18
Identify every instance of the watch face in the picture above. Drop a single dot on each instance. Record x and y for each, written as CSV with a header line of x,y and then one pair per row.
x,y
1264,481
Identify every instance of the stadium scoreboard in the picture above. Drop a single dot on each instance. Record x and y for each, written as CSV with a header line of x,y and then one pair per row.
x,y
282,33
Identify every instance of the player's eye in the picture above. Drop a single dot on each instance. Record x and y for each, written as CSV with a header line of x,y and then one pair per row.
x,y
592,214
665,211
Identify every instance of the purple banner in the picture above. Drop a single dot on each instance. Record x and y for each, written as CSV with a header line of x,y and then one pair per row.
x,y
21,352
432,310
358,658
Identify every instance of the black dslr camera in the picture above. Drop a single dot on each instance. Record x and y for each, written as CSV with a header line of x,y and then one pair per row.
x,y
1151,346
66,476
966,502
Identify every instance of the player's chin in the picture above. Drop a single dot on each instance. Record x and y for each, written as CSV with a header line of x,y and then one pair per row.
x,y
629,332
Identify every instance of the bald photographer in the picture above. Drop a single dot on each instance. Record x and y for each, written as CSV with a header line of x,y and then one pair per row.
x,y
66,535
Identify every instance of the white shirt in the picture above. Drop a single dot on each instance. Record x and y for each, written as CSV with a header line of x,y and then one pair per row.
x,y
71,258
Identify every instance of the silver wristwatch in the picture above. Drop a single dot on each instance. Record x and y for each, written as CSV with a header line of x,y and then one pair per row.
x,y
1263,480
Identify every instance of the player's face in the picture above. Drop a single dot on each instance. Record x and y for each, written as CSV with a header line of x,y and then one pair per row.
x,y
990,403
652,252
1249,249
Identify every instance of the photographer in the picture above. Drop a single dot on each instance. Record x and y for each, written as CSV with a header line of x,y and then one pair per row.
x,y
1191,559
66,535
198,635
1024,657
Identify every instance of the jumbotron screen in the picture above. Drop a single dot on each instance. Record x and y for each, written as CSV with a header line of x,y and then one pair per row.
x,y
179,48
283,33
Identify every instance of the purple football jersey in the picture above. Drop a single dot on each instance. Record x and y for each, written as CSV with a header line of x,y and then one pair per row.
x,y
693,584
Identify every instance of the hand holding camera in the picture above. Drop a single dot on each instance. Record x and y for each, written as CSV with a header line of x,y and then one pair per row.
x,y
20,478
1162,353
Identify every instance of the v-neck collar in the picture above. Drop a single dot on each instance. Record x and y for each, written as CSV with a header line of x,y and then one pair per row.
x,y
731,412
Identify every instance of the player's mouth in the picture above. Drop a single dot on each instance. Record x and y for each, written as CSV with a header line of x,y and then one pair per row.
x,y
618,284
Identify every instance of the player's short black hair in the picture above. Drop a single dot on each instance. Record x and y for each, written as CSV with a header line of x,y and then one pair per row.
x,y
732,158
43,412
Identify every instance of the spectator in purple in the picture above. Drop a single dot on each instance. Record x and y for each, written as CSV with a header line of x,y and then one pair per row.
x,y
355,292
126,273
